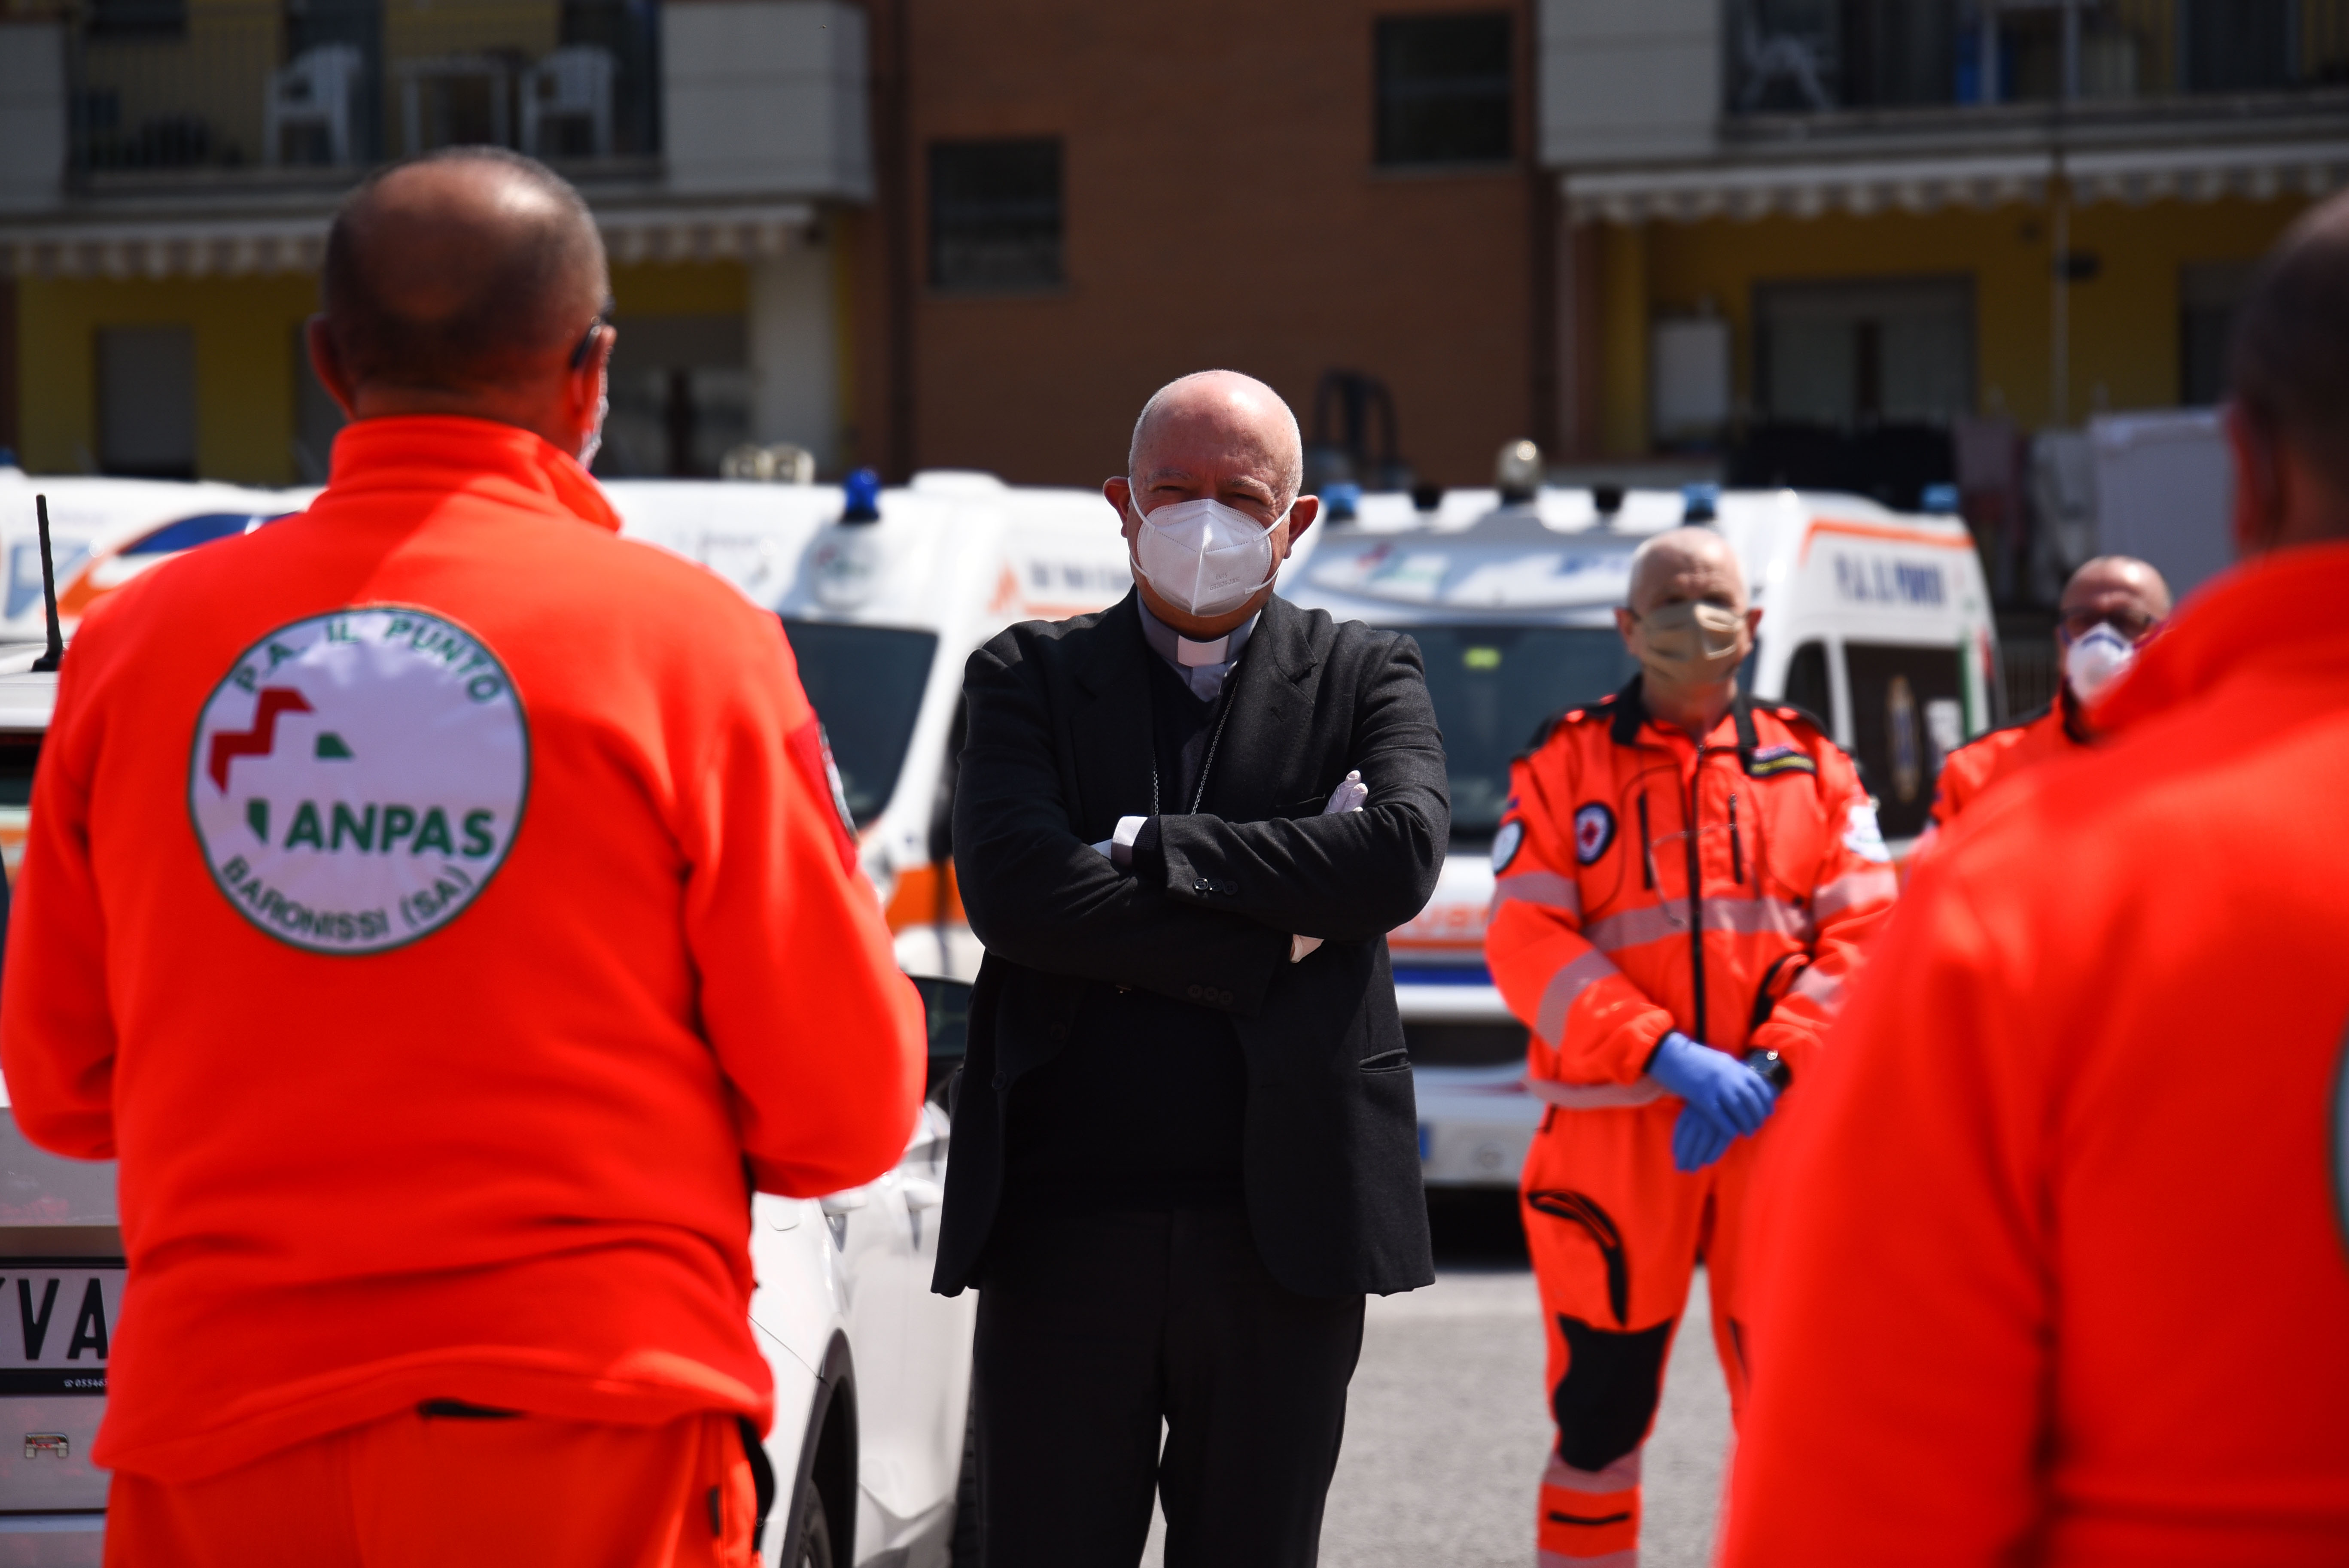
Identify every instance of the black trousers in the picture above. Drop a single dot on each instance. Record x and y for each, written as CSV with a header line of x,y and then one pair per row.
x,y
1092,1329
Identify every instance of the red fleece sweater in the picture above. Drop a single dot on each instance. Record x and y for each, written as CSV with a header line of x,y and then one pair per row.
x,y
437,904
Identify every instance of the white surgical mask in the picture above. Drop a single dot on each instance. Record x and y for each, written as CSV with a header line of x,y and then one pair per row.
x,y
594,440
2096,659
1201,556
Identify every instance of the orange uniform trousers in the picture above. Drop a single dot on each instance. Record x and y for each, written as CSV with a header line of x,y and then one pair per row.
x,y
417,1491
1615,1233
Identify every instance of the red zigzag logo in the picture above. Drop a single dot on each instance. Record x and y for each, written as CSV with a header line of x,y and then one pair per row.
x,y
262,739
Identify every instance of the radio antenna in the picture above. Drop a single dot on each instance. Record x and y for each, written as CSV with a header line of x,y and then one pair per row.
x,y
48,661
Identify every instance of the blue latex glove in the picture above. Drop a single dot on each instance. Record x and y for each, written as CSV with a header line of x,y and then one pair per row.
x,y
1732,1095
1698,1140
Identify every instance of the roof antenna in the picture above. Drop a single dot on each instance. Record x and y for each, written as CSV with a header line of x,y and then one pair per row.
x,y
48,661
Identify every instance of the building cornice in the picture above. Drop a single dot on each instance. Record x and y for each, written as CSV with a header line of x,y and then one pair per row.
x,y
175,238
2133,163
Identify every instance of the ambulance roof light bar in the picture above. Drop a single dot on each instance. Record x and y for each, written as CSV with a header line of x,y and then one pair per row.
x,y
57,651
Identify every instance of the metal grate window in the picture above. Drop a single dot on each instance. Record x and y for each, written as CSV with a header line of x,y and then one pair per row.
x,y
995,216
1444,90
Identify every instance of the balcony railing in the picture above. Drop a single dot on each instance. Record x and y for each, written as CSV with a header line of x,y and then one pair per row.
x,y
1826,57
245,88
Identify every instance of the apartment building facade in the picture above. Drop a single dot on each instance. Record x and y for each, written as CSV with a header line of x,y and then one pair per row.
x,y
1732,234
1340,196
1838,213
168,169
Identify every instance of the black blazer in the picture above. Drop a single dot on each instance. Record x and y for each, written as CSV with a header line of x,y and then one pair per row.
x,y
1059,749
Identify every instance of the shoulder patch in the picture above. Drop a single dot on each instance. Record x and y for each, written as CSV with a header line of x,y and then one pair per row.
x,y
1770,762
1594,831
1506,845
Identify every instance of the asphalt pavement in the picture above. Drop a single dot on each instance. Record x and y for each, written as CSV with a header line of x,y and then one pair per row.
x,y
1447,1426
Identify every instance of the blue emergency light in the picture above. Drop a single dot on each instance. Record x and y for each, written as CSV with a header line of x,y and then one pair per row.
x,y
1342,502
1941,498
863,491
1699,503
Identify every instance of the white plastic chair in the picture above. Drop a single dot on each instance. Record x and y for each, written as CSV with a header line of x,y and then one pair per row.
x,y
1781,54
575,83
318,88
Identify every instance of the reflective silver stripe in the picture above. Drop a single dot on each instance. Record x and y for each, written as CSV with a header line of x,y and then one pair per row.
x,y
1569,982
1826,990
1876,885
1656,922
1594,1097
1548,889
1751,916
1621,1476
1637,928
1609,1559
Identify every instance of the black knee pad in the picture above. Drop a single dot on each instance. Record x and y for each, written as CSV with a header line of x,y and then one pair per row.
x,y
1609,1395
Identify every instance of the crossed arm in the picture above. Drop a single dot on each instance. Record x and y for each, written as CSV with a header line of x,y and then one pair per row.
x,y
1038,892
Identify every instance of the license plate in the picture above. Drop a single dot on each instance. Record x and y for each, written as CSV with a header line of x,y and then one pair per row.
x,y
57,1324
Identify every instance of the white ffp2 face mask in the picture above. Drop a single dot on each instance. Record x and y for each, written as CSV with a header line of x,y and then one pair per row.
x,y
594,443
2097,659
1201,556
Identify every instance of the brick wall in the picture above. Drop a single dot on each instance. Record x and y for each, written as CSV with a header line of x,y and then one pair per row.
x,y
1222,209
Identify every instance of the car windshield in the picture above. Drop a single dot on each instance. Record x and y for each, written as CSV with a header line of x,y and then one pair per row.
x,y
866,684
1492,685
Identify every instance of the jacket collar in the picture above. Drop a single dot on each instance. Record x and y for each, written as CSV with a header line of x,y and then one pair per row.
x,y
1168,645
447,452
1631,716
2265,615
1277,640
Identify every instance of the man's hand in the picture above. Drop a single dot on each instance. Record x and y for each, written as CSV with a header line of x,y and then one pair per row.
x,y
1726,1098
1698,1140
1349,796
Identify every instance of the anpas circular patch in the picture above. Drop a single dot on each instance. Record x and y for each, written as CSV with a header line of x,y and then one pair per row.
x,y
1594,831
358,777
1505,844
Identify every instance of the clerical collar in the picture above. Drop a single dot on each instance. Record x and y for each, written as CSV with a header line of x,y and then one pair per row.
x,y
1202,665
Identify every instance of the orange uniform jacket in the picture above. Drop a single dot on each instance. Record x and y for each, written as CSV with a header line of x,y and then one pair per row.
x,y
439,994
2055,1269
1624,837
1973,767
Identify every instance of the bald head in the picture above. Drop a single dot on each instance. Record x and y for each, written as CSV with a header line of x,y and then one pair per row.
x,y
1691,565
2119,590
1220,419
460,272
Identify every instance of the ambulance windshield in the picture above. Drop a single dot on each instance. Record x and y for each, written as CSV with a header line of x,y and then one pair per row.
x,y
1492,685
866,684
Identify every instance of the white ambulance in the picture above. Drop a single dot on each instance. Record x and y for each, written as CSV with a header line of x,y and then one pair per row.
x,y
884,595
1877,622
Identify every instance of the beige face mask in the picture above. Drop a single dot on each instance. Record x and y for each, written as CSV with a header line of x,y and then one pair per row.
x,y
1690,643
